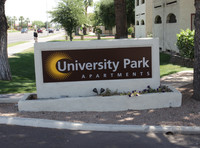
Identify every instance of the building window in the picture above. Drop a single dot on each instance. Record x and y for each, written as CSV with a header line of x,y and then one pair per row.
x,y
142,22
171,18
137,23
138,2
158,20
143,1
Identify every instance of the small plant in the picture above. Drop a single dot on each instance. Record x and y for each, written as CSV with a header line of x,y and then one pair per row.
x,y
108,92
98,31
96,91
130,30
160,89
134,93
149,35
32,97
185,43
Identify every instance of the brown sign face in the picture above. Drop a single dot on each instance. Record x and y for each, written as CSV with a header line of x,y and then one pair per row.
x,y
97,64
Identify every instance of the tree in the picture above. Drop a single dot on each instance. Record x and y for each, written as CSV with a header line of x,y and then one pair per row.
x,y
21,19
5,73
14,20
196,82
87,3
47,25
105,13
9,21
38,24
27,21
120,19
130,12
70,14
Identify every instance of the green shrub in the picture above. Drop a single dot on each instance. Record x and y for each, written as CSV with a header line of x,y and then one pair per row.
x,y
185,43
98,31
130,30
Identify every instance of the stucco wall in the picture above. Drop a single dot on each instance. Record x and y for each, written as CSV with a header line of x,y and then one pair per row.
x,y
158,28
185,14
149,17
167,32
158,32
170,37
140,14
140,30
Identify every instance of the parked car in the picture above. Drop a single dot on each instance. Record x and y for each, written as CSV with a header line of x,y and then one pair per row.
x,y
24,30
51,31
40,31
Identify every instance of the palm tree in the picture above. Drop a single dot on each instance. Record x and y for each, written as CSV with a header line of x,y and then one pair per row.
x,y
21,19
5,73
120,19
87,3
9,21
27,21
196,82
14,20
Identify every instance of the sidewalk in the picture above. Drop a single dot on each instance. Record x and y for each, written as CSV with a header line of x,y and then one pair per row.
x,y
21,47
178,80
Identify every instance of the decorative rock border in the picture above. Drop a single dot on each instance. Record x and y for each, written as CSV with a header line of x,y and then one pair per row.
x,y
176,59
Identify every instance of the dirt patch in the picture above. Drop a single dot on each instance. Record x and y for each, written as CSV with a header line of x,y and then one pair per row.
x,y
186,115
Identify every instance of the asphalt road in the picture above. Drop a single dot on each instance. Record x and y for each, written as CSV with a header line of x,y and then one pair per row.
x,y
29,137
18,36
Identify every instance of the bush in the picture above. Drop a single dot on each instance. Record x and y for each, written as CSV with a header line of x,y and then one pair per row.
x,y
98,31
130,30
185,43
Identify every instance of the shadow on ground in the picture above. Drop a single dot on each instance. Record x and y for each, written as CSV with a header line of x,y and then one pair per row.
x,y
23,74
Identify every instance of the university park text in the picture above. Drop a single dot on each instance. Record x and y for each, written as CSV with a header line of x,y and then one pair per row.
x,y
64,66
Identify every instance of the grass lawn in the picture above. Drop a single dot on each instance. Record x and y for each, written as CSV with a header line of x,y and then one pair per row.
x,y
12,31
17,43
49,34
166,68
23,73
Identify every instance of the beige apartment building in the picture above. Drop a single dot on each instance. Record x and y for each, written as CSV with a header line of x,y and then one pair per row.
x,y
169,17
167,20
143,18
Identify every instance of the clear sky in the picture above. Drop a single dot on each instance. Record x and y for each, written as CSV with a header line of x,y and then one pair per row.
x,y
32,9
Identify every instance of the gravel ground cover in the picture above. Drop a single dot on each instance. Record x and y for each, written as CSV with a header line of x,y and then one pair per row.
x,y
186,115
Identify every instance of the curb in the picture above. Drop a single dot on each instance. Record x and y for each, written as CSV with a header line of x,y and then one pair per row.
x,y
7,100
44,123
10,98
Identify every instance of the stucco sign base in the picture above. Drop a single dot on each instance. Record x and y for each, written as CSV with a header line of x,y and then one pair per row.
x,y
73,69
103,104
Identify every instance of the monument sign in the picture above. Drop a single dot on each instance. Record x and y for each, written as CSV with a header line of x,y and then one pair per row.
x,y
74,69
